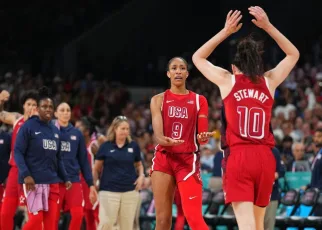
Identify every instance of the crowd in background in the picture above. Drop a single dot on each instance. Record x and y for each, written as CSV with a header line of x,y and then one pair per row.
x,y
297,111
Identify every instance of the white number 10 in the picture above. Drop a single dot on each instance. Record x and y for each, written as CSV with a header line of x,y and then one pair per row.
x,y
251,122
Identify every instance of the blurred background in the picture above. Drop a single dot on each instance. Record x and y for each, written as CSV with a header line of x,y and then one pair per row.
x,y
107,58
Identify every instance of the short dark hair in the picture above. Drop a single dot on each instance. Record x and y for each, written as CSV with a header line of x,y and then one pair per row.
x,y
171,60
30,94
248,58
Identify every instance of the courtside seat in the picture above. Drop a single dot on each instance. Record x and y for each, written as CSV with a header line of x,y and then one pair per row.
x,y
306,207
290,200
315,221
215,208
206,200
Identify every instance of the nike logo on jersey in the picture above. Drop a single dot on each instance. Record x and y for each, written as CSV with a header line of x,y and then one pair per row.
x,y
37,133
168,101
192,197
113,150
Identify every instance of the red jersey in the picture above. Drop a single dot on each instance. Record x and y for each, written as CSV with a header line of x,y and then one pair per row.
x,y
16,127
247,114
180,114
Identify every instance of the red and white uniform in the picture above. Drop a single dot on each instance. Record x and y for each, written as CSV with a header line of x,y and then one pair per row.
x,y
91,211
247,138
180,115
13,189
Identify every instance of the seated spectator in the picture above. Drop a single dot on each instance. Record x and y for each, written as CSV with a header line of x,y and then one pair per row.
x,y
207,158
298,164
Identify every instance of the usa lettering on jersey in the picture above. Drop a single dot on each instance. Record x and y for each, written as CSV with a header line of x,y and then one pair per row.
x,y
178,112
250,93
65,146
49,144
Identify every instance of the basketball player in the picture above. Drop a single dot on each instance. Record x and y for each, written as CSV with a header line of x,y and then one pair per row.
x,y
177,115
85,125
247,102
14,195
40,165
75,159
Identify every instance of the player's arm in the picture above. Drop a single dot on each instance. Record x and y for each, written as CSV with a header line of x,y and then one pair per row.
x,y
157,122
20,150
83,161
216,74
203,134
7,117
99,162
62,173
277,75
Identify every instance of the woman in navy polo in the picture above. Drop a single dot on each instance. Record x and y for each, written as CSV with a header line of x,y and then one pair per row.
x,y
118,161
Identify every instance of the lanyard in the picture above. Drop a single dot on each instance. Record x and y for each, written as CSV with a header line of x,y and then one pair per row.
x,y
318,156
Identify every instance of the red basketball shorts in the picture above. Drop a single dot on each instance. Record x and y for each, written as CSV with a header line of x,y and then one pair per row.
x,y
179,165
249,174
13,189
71,198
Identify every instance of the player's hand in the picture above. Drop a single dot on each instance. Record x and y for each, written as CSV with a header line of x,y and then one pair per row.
x,y
30,183
4,95
94,148
276,175
171,142
232,24
92,194
33,112
139,183
203,137
261,19
68,185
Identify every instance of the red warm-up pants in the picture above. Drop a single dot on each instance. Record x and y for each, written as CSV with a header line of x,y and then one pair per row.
x,y
45,220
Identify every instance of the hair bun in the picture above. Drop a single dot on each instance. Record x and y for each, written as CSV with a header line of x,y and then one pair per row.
x,y
44,92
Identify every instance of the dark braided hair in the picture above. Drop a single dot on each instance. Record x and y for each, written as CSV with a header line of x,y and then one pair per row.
x,y
248,58
89,124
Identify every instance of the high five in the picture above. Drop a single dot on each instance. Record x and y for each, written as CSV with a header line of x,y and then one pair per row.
x,y
247,102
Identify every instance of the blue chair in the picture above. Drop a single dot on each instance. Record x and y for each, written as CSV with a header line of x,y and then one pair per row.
x,y
315,221
290,202
306,207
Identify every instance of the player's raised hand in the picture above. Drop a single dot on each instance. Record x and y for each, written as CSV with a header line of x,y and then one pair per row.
x,y
261,19
33,112
171,142
4,96
203,137
232,24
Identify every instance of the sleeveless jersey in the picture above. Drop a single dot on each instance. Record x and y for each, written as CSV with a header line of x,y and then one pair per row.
x,y
16,127
180,114
246,114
